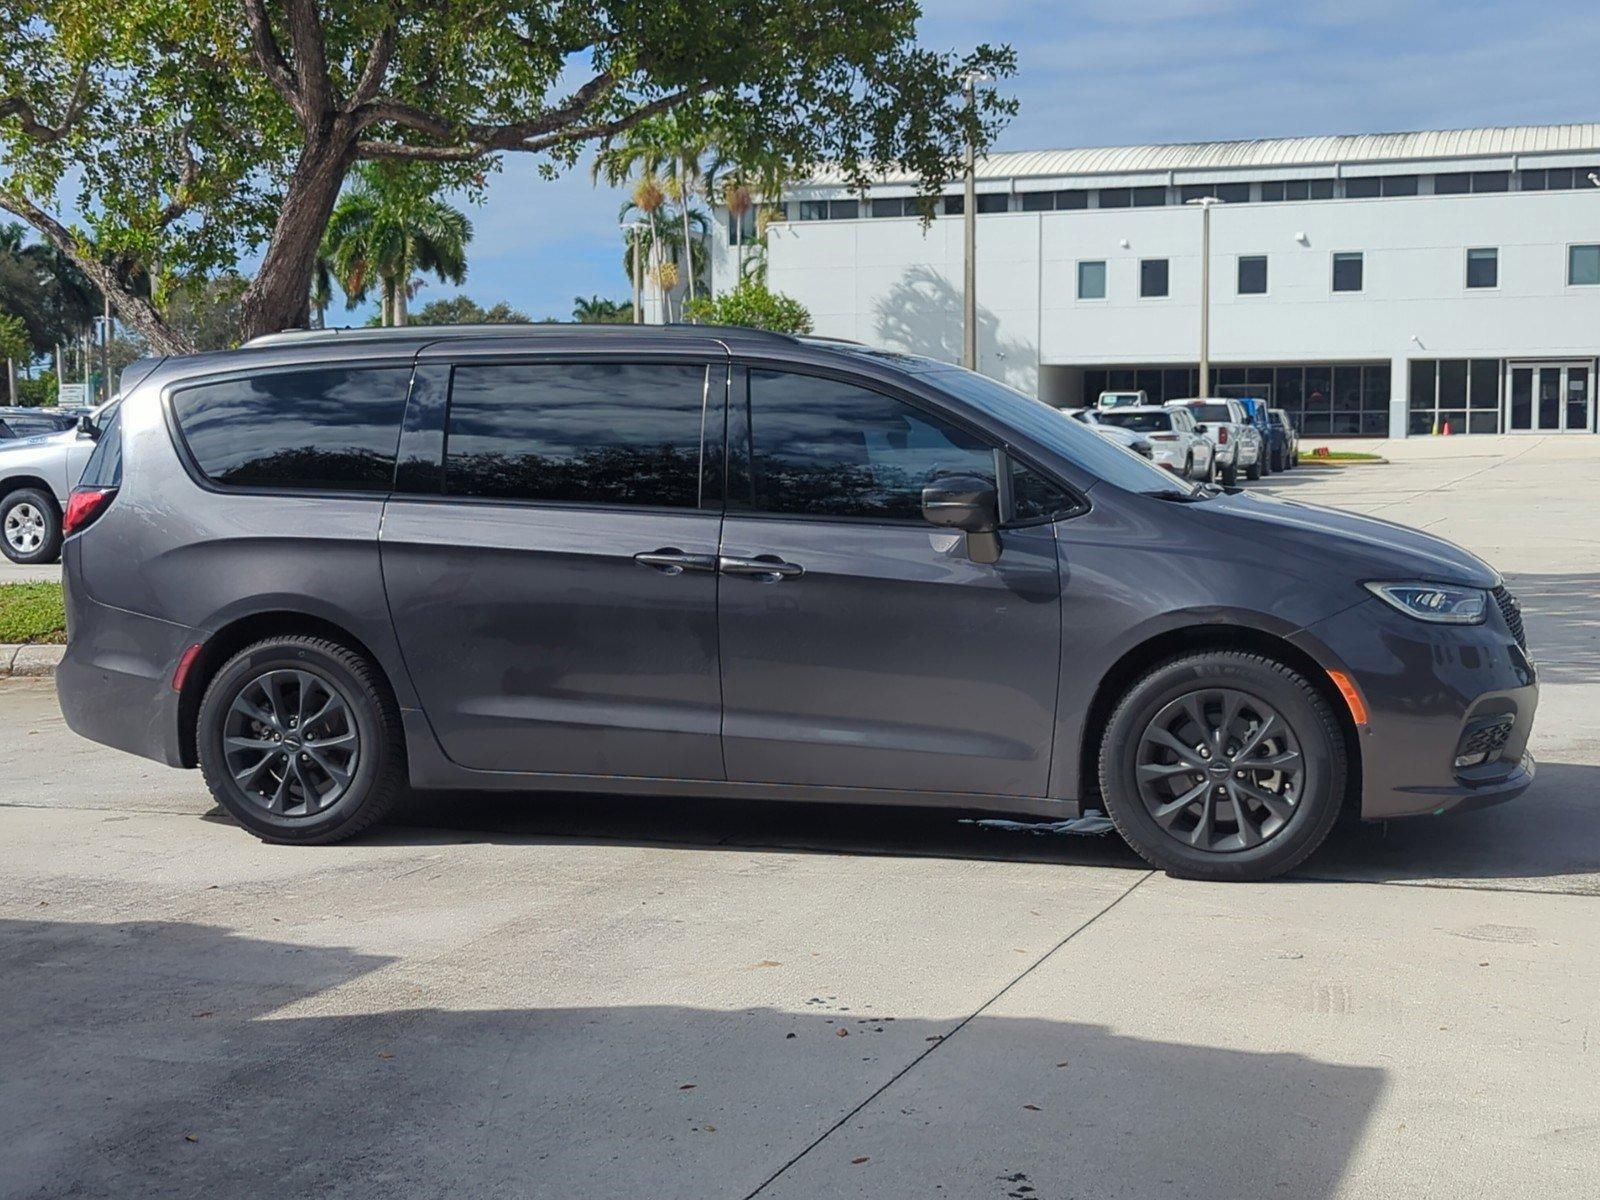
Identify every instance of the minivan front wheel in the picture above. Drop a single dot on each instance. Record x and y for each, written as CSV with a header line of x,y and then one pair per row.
x,y
300,740
1223,765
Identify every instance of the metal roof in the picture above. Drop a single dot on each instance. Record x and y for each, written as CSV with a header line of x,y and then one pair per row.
x,y
1326,150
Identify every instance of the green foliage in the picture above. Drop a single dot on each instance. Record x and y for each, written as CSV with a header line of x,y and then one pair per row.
x,y
189,134
13,337
38,392
32,612
597,310
463,310
389,225
206,311
752,304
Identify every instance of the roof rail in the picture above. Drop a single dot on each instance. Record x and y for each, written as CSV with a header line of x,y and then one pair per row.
x,y
373,333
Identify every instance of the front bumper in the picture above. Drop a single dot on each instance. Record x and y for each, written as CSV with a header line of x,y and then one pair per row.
x,y
115,679
1428,689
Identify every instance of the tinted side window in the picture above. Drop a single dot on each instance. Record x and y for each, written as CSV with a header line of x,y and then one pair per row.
x,y
326,429
581,433
104,468
823,448
1033,497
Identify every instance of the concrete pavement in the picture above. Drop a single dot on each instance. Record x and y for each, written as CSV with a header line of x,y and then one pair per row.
x,y
596,997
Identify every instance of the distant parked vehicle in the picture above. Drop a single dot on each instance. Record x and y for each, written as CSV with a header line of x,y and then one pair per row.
x,y
17,422
1223,421
37,473
1290,435
1175,439
1135,399
1125,438
1255,412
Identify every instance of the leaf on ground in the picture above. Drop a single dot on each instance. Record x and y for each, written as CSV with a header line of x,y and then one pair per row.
x,y
686,1087
385,1054
856,1162
208,1013
766,962
189,1137
1031,1107
1061,1064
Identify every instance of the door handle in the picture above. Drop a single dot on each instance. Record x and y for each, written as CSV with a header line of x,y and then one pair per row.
x,y
672,561
762,566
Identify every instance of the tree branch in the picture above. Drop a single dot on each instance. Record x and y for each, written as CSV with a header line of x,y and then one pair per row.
x,y
135,310
43,131
268,56
310,59
377,67
187,178
530,141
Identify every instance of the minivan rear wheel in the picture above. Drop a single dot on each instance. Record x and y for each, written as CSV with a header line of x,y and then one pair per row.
x,y
1223,765
300,740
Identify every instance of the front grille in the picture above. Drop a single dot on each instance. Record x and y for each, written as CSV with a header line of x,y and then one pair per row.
x,y
1512,612
1483,741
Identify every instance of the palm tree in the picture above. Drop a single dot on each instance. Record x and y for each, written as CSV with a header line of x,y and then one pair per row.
x,y
597,310
663,249
739,179
385,228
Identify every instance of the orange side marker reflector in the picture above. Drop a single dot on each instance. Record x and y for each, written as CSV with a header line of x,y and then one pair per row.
x,y
1347,689
185,661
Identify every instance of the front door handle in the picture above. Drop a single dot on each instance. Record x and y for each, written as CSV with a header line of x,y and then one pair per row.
x,y
672,561
762,566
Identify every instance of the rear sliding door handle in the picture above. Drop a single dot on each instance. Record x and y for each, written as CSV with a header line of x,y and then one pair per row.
x,y
672,561
763,566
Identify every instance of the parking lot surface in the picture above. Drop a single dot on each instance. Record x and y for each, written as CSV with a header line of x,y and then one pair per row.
x,y
577,997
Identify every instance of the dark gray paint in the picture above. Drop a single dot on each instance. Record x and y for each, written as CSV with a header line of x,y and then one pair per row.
x,y
529,650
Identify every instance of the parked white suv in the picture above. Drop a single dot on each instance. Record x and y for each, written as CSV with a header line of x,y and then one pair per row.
x,y
1175,439
1224,425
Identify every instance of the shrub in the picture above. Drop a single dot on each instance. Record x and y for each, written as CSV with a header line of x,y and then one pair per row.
x,y
753,305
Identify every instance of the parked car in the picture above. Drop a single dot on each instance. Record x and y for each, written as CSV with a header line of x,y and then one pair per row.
x,y
1238,447
1125,438
17,422
1175,441
36,476
1135,399
1289,435
716,562
1255,412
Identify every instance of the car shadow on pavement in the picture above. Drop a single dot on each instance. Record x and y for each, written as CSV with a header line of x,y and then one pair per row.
x,y
174,1059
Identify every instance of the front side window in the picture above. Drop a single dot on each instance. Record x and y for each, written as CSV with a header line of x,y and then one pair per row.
x,y
1092,280
822,448
1252,274
1483,267
1583,266
1152,277
321,430
576,433
1347,272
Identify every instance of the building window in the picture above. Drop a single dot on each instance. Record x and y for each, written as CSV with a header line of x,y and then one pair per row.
x,y
1461,393
994,202
1459,182
886,208
1298,189
1152,277
1228,193
1091,281
1252,274
954,206
812,210
1483,267
843,210
1053,201
1365,186
1583,266
1116,197
1149,197
1347,272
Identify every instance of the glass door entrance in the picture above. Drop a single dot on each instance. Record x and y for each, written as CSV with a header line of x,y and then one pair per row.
x,y
1549,397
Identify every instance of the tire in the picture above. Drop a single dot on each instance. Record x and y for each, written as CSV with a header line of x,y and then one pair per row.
x,y
1253,471
1188,467
1230,474
1303,809
30,527
268,794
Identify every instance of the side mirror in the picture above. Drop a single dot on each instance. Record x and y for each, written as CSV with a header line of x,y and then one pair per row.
x,y
87,426
968,503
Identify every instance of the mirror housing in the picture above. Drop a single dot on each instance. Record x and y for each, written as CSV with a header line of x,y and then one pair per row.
x,y
971,504
87,426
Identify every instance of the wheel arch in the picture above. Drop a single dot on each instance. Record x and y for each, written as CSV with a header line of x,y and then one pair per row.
x,y
16,483
235,636
1198,639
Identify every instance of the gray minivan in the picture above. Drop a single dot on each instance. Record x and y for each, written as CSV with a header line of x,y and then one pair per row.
x,y
714,562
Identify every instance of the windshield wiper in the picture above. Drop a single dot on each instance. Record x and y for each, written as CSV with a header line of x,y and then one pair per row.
x,y
1193,497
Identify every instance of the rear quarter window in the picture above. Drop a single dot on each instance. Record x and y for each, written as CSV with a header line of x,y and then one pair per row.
x,y
328,429
104,468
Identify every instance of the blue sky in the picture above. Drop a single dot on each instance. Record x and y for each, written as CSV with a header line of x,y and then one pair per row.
x,y
1108,72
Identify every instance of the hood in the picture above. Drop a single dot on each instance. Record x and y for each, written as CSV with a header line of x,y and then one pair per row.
x,y
1331,540
36,440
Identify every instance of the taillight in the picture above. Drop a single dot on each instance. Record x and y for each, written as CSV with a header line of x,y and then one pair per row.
x,y
85,506
1222,435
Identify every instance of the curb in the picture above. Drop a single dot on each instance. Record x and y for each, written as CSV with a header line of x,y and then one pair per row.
x,y
28,661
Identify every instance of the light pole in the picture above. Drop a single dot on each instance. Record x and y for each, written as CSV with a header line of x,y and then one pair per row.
x,y
969,250
1205,203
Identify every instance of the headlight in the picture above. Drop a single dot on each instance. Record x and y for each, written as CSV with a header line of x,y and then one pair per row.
x,y
1439,603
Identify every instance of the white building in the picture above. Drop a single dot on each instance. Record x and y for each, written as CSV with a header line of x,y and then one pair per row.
x,y
1377,284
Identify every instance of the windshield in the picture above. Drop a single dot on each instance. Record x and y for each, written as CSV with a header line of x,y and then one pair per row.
x,y
1139,422
1084,447
1210,412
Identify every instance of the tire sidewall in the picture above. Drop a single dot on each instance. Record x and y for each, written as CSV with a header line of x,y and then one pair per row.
x,y
364,708
50,549
1321,797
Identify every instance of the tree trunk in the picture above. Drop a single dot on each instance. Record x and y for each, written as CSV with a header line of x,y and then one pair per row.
x,y
11,381
688,247
280,295
400,287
